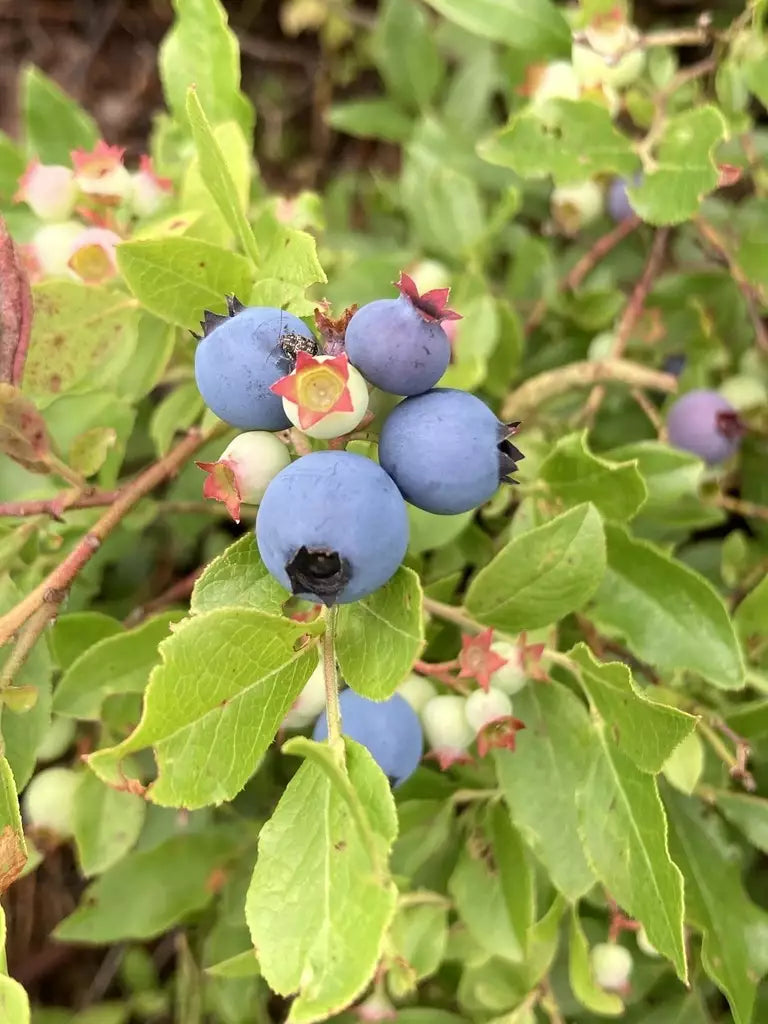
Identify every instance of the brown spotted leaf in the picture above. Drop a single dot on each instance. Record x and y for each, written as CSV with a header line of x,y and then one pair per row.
x,y
13,849
15,310
23,433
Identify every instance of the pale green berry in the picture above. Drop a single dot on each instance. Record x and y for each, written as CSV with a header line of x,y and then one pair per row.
x,y
445,724
255,457
611,965
48,801
601,346
483,707
510,678
576,206
57,739
417,691
309,703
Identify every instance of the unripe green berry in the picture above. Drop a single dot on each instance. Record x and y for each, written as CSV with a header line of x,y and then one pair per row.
x,y
644,945
445,724
510,678
417,691
48,801
611,965
57,739
483,707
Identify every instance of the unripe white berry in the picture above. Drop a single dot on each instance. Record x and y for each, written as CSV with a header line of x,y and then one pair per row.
x,y
48,801
611,965
510,678
482,708
417,691
256,457
601,346
52,245
445,724
309,703
57,739
49,191
575,206
597,60
316,394
555,81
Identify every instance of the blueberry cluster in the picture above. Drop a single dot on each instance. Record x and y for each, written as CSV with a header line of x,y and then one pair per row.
x,y
332,525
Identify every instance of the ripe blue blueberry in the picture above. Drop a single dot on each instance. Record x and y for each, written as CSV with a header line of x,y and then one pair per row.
x,y
390,729
674,364
617,200
241,355
446,451
706,424
398,344
332,527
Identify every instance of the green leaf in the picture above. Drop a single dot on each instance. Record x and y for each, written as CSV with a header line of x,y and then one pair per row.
x,y
89,451
647,732
117,664
672,479
476,889
148,892
624,831
685,168
225,682
13,847
176,412
752,613
417,941
241,965
517,882
82,335
216,175
541,778
581,976
106,823
371,119
238,578
574,474
55,124
749,814
406,53
715,903
21,734
201,50
14,1004
289,266
572,140
535,26
73,633
12,164
446,206
429,531
325,945
379,637
179,278
670,615
542,575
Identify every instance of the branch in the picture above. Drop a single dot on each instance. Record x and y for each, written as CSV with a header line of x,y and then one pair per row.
x,y
55,587
585,265
15,310
55,507
740,506
529,396
632,313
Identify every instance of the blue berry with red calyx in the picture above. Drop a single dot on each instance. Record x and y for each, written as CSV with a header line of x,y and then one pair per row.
x,y
446,451
332,527
389,729
241,355
705,423
398,344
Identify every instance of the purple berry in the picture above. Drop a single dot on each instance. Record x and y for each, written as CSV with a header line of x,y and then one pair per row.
x,y
674,364
390,730
446,451
398,344
617,200
706,424
241,355
332,527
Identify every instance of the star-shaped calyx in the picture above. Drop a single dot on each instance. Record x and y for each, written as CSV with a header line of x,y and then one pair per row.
x,y
431,306
212,320
477,660
499,733
509,454
221,485
318,386
318,571
730,425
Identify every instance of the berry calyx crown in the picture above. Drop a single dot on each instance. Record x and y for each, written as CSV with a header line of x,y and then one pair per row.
x,y
431,306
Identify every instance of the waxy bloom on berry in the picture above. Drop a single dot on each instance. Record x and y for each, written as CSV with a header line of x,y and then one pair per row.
x,y
92,255
49,190
149,191
324,396
101,172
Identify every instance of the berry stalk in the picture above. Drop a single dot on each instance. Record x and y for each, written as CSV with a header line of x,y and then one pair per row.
x,y
332,708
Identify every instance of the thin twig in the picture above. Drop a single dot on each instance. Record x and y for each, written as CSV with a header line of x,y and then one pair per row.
x,y
585,265
530,395
716,240
650,411
332,707
178,591
740,506
629,318
736,764
55,587
33,629
55,507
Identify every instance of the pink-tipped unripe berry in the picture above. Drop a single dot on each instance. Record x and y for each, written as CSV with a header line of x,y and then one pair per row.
x,y
484,706
511,677
49,190
446,728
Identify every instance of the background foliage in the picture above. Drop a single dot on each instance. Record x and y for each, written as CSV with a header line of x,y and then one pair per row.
x,y
635,789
